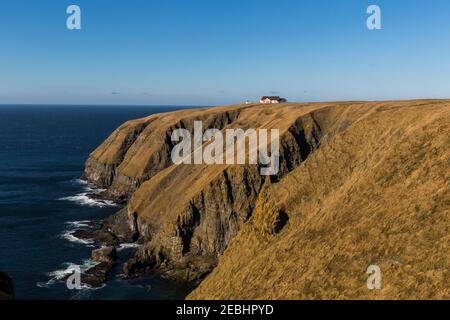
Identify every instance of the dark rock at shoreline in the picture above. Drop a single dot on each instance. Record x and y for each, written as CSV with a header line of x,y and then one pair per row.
x,y
119,225
6,287
108,233
97,275
105,254
188,270
133,267
106,198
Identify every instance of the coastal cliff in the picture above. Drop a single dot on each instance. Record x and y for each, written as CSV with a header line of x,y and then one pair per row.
x,y
359,184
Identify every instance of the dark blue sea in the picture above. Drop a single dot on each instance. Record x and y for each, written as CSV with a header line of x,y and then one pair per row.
x,y
42,200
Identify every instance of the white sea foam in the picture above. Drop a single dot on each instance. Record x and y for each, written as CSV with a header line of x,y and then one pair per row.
x,y
89,187
79,224
84,200
80,181
67,270
62,273
43,284
68,235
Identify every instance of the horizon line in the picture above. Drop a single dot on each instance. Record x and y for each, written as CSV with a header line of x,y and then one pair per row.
x,y
97,105
207,106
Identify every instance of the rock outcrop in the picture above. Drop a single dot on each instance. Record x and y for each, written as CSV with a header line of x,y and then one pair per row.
x,y
105,257
97,276
121,227
188,216
106,237
6,287
104,254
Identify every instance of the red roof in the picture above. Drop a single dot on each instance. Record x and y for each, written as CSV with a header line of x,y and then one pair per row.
x,y
271,98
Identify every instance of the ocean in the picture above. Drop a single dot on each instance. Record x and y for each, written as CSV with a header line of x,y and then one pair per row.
x,y
42,201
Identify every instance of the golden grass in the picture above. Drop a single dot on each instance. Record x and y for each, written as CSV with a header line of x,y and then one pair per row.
x,y
375,192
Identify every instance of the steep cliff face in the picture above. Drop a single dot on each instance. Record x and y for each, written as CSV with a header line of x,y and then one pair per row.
x,y
101,166
188,216
209,204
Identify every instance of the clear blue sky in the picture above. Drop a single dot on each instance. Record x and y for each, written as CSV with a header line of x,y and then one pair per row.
x,y
205,52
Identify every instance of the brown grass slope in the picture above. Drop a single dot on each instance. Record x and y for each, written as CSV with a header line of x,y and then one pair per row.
x,y
375,192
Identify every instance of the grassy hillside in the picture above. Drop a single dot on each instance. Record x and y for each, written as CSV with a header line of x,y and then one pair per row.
x,y
376,192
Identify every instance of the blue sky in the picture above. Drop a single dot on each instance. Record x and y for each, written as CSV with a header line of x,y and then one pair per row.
x,y
206,52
